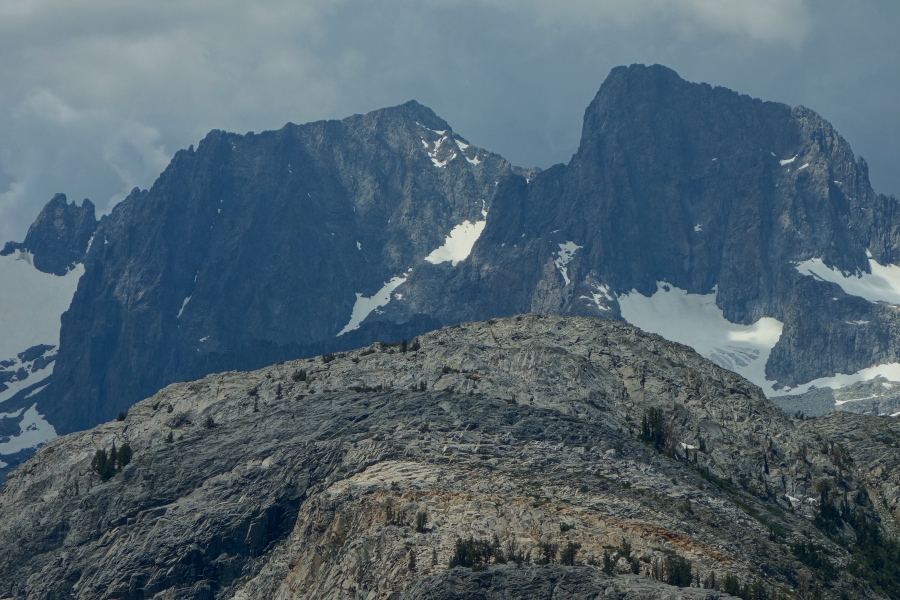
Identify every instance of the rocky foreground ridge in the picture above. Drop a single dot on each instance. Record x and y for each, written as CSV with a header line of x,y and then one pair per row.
x,y
631,465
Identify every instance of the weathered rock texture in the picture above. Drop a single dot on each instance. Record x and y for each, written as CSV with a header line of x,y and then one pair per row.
x,y
559,583
306,479
876,397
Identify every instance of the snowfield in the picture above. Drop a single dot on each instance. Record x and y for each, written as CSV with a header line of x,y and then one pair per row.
x,y
696,321
31,303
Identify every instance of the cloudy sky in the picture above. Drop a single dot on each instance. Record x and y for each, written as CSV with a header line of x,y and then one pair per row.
x,y
96,95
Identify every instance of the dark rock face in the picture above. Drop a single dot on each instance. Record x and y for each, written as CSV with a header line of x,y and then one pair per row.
x,y
59,237
307,479
695,186
251,249
254,249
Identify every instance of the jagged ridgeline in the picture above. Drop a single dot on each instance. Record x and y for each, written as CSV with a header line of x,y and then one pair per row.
x,y
518,458
745,229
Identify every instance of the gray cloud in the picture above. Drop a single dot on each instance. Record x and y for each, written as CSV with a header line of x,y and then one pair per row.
x,y
98,94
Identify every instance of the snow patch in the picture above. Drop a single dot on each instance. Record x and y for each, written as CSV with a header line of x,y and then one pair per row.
x,y
364,306
183,304
35,391
436,148
600,297
787,161
696,321
564,257
803,167
890,371
698,228
881,285
358,246
14,387
34,430
440,164
840,402
12,415
459,243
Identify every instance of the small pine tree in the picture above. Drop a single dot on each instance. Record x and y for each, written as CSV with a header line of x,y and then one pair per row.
x,y
679,571
608,563
568,554
469,553
731,585
121,416
497,551
124,456
421,521
548,552
170,438
103,466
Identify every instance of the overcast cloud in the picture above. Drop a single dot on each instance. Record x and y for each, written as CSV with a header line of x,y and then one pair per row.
x,y
97,95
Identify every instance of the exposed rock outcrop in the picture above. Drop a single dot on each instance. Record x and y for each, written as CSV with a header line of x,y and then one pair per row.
x,y
59,237
355,475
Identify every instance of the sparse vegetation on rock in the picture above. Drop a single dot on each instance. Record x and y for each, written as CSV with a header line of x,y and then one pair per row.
x,y
566,487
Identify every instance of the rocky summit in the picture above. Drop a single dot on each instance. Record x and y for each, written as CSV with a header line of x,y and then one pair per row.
x,y
526,457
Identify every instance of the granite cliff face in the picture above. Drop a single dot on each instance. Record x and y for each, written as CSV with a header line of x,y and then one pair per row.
x,y
251,249
715,194
354,476
745,229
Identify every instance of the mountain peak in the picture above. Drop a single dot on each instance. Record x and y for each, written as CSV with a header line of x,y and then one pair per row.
x,y
59,236
412,111
638,71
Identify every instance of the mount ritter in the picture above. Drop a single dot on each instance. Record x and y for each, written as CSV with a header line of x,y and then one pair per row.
x,y
437,445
